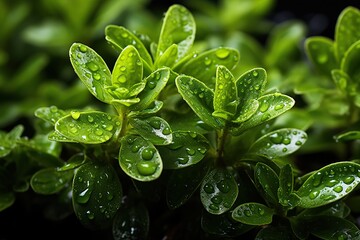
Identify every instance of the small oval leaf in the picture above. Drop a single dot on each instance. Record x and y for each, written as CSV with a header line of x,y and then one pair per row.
x,y
92,70
50,114
139,158
178,28
253,214
267,182
200,98
50,180
329,184
88,127
97,194
218,191
279,143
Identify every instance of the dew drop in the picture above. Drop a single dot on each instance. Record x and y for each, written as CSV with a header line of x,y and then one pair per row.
x,y
323,58
264,106
135,148
276,138
208,188
166,131
99,132
338,189
265,117
90,119
53,109
73,130
207,61
147,153
286,141
279,106
151,84
220,86
216,199
222,53
96,76
83,48
123,68
247,213
298,143
192,134
182,160
90,215
223,186
214,207
313,194
190,151
284,150
146,168
331,183
122,78
202,150
84,196
261,211
75,114
109,127
92,66
109,196
349,179
255,73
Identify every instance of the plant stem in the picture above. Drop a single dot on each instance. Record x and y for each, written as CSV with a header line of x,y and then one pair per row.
x,y
221,140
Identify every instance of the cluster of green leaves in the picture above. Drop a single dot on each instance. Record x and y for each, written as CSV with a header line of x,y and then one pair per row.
x,y
190,123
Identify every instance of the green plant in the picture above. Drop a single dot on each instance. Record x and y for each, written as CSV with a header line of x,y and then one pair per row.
x,y
177,129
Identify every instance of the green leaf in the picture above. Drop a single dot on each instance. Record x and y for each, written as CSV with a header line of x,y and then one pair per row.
x,y
351,60
203,66
286,186
8,141
267,182
50,114
342,80
50,180
181,187
155,83
121,37
88,127
139,158
97,194
187,148
223,225
178,28
253,214
270,106
321,52
131,222
168,58
335,209
225,96
347,30
200,98
58,137
74,162
7,199
127,74
250,86
333,228
218,191
329,184
92,70
279,143
154,129
153,108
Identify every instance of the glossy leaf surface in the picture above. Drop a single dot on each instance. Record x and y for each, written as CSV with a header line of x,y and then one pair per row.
x,y
181,187
218,191
50,181
168,58
225,95
88,127
253,214
200,98
286,196
155,83
7,199
50,114
139,158
131,222
270,106
187,148
267,182
203,66
178,28
347,30
97,194
279,143
8,141
351,60
154,129
122,37
329,184
127,73
92,70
